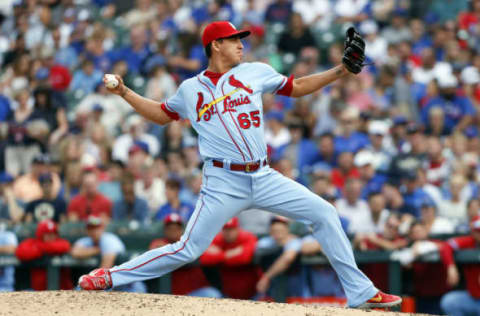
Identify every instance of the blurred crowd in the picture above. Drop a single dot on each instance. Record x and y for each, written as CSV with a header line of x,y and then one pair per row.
x,y
395,149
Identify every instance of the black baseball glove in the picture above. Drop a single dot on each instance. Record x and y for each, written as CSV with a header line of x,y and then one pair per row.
x,y
354,52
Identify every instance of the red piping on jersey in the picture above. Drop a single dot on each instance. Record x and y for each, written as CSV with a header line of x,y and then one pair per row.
x,y
168,253
238,128
171,114
221,120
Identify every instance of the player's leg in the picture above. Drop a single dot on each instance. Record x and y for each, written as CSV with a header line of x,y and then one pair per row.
x,y
211,213
280,195
224,194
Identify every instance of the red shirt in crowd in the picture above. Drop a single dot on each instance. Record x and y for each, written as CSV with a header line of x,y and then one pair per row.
x,y
471,271
84,207
430,279
186,279
35,248
339,179
239,276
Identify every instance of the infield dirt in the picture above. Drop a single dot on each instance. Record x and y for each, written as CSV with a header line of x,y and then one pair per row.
x,y
120,303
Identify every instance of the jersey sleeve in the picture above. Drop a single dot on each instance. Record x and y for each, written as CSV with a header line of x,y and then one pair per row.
x,y
272,81
174,106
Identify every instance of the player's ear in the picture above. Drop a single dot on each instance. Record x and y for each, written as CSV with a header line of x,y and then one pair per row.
x,y
216,45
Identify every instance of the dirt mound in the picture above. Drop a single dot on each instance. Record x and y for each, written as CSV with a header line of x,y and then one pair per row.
x,y
119,303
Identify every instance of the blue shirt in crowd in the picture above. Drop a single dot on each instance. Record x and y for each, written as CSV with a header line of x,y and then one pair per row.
x,y
412,202
7,274
454,110
185,210
138,210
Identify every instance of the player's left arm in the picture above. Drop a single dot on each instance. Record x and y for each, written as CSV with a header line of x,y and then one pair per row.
x,y
352,62
309,84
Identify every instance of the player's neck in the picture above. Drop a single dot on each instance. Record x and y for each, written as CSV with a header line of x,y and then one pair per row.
x,y
218,66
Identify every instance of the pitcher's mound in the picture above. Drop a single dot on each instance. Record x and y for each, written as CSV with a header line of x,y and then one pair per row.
x,y
119,303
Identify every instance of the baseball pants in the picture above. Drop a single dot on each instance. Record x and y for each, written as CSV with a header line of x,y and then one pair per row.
x,y
226,193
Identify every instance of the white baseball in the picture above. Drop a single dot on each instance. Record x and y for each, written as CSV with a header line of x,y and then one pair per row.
x,y
111,82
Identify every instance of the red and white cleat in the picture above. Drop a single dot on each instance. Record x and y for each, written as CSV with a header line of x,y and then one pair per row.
x,y
98,279
382,300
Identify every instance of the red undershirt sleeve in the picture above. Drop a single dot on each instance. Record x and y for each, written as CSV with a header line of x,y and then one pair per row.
x,y
171,114
287,88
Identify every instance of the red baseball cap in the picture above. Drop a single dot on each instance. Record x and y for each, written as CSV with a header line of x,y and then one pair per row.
x,y
221,29
232,223
475,223
173,218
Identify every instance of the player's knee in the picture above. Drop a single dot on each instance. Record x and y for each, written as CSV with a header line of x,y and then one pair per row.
x,y
325,215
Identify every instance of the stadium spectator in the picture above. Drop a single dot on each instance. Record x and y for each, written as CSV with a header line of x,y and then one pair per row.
x,y
150,188
46,243
135,127
191,192
8,246
23,136
321,280
85,79
161,84
278,11
430,280
115,109
11,209
110,187
434,223
136,53
296,37
279,252
455,208
372,181
390,239
349,139
232,251
189,279
130,207
48,206
354,209
413,195
463,302
174,205
378,134
276,133
459,110
346,170
27,187
89,201
107,245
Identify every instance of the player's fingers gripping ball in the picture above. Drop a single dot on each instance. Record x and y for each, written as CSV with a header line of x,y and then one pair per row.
x,y
354,52
114,83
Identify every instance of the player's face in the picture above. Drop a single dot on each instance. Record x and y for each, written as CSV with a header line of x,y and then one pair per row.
x,y
231,50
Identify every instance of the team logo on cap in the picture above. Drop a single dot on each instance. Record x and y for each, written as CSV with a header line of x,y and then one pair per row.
x,y
233,26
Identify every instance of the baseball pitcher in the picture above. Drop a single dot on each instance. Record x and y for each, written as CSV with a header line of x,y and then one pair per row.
x,y
224,106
